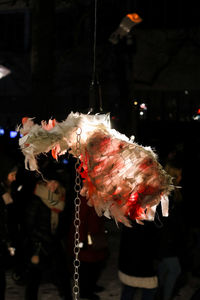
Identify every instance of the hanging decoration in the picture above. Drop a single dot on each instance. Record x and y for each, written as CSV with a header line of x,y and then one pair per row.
x,y
120,178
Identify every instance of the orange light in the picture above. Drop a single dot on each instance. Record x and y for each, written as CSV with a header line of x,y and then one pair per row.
x,y
24,120
125,27
198,111
135,18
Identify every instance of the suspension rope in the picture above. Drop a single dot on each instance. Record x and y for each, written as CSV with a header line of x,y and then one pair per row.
x,y
95,40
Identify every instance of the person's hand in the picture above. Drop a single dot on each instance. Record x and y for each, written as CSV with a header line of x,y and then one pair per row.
x,y
52,185
7,198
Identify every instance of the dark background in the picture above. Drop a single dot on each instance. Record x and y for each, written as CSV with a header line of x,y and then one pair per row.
x,y
49,48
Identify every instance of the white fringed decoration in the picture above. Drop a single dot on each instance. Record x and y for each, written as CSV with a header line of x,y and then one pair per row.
x,y
120,178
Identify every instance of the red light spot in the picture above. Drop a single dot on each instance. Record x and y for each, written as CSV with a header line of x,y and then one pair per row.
x,y
24,120
135,18
53,153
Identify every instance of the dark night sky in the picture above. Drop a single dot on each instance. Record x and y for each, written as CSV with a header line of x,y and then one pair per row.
x,y
160,67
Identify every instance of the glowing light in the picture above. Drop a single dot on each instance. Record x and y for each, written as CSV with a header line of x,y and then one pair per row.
x,y
89,239
19,188
4,71
13,134
65,161
81,245
2,131
143,106
11,251
133,197
135,103
135,18
196,118
141,113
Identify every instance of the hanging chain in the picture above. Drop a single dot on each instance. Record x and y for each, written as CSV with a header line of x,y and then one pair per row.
x,y
77,203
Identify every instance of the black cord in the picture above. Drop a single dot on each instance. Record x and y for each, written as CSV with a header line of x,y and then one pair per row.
x,y
95,40
95,89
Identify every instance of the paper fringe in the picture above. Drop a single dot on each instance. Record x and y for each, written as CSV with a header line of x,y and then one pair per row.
x,y
121,179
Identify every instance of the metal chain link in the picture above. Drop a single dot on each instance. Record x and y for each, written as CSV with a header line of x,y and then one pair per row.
x,y
77,203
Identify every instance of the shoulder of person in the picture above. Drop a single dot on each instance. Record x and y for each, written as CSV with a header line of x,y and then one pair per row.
x,y
2,189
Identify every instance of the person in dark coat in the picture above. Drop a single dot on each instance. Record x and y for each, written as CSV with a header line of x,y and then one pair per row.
x,y
172,237
8,170
44,233
136,261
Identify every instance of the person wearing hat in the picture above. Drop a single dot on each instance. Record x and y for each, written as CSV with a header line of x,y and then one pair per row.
x,y
8,170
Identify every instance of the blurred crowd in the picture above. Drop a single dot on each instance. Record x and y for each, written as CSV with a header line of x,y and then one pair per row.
x,y
37,234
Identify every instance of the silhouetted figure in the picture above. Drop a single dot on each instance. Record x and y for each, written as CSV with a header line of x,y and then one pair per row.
x,y
24,187
8,170
44,225
136,265
172,240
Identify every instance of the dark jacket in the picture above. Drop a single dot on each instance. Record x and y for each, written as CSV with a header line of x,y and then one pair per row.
x,y
138,250
172,234
3,224
39,238
7,227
